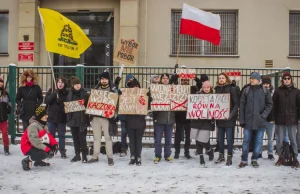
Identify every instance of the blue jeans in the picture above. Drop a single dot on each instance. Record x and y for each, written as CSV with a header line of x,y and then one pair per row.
x,y
159,130
258,140
270,130
124,144
61,130
286,137
221,136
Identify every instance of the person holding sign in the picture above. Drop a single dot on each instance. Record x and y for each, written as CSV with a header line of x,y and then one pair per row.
x,y
100,124
135,125
255,106
201,128
163,123
225,126
78,121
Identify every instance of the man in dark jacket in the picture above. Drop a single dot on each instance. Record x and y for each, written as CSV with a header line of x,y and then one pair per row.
x,y
182,124
57,117
286,100
163,123
100,124
255,105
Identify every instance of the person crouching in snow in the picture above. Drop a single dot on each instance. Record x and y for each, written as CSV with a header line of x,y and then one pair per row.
x,y
201,128
37,143
5,108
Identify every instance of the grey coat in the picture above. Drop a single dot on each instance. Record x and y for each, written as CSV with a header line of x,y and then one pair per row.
x,y
255,106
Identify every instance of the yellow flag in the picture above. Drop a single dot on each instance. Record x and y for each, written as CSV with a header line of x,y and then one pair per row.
x,y
62,35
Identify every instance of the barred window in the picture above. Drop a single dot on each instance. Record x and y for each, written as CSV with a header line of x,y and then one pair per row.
x,y
190,46
3,33
294,42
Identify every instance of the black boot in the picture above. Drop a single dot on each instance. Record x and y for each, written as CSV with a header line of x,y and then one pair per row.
x,y
176,156
132,160
76,158
220,159
202,162
187,155
229,160
41,163
6,150
138,161
26,163
63,154
210,154
84,158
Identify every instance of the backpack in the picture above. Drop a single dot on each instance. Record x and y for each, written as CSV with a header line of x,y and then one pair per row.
x,y
287,154
117,147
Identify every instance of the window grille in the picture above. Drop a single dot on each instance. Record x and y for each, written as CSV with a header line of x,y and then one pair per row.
x,y
190,46
3,32
294,34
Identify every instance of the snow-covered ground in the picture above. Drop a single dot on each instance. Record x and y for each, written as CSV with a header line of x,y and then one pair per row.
x,y
181,176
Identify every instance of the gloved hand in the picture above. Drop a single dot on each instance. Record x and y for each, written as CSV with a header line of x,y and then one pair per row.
x,y
197,80
119,92
148,93
55,149
174,79
242,125
50,154
117,81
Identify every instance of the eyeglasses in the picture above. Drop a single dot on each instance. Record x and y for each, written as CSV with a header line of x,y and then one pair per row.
x,y
286,78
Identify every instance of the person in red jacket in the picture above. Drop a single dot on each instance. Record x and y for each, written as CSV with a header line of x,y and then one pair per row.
x,y
37,143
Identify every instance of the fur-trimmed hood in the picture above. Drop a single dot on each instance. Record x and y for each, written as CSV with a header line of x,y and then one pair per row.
x,y
28,72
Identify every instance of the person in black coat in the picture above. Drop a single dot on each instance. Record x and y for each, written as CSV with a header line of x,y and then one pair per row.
x,y
286,100
57,117
78,121
225,126
29,97
5,108
203,127
135,125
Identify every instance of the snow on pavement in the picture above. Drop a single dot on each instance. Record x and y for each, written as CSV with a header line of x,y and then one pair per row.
x,y
181,176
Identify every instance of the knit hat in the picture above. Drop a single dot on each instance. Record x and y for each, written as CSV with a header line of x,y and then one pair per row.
x,y
152,78
134,83
266,80
39,113
105,75
286,74
255,75
75,80
207,84
183,66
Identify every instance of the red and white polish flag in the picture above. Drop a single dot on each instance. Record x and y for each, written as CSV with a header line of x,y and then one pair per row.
x,y
200,24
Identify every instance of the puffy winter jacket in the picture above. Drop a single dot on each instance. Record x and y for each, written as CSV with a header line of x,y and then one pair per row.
x,y
56,111
164,117
5,107
286,105
255,105
32,137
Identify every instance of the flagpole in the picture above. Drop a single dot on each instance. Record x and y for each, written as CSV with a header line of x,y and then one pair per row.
x,y
178,48
51,64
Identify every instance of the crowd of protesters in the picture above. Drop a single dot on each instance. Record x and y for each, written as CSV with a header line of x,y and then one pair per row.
x,y
258,106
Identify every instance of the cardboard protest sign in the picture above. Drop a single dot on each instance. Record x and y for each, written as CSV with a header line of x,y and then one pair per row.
x,y
74,106
102,103
208,106
169,97
133,101
186,73
126,51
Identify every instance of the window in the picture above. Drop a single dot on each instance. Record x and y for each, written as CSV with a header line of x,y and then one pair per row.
x,y
294,42
3,33
190,46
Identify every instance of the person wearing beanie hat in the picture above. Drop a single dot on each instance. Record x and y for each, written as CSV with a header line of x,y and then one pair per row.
x,y
29,97
78,121
255,106
286,99
203,78
163,123
57,117
154,79
266,80
223,86
201,129
36,142
102,124
5,108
